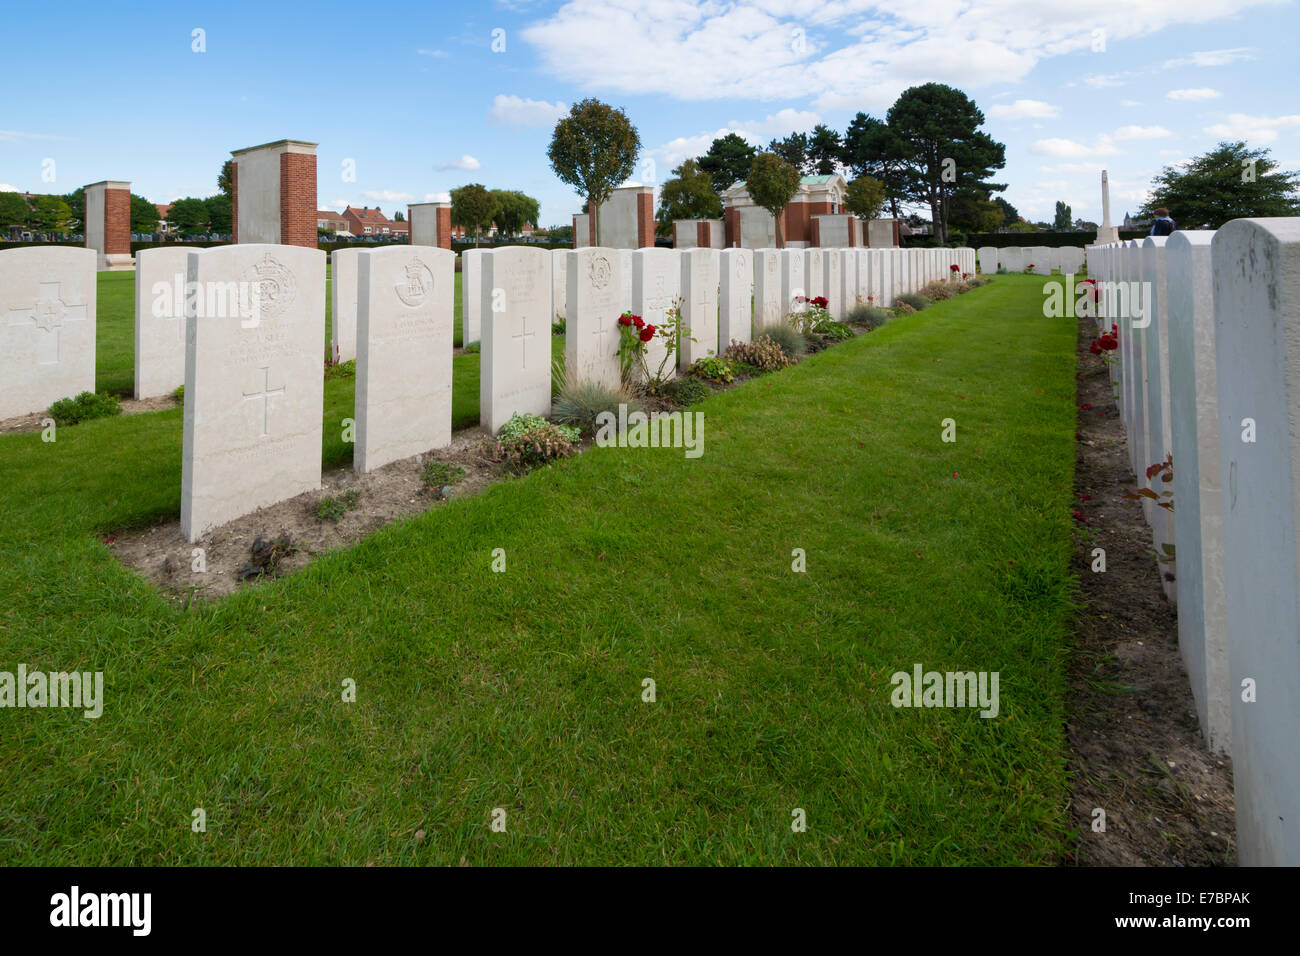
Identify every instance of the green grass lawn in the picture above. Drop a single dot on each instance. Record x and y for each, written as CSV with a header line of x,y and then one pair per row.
x,y
522,690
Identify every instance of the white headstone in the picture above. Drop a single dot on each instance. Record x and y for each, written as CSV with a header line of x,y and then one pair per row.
x,y
47,326
813,267
405,322
848,280
515,371
988,259
656,288
160,320
1198,517
794,281
736,291
832,288
559,283
595,289
1012,259
254,381
343,304
625,278
471,295
699,280
1257,340
768,304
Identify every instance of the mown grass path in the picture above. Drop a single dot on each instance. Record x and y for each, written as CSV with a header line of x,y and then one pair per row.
x,y
523,690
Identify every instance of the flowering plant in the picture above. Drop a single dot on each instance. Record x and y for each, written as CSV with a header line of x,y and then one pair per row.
x,y
635,334
954,267
815,314
1106,342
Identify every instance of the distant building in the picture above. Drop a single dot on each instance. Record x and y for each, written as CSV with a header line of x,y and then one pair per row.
x,y
751,226
331,221
163,209
372,222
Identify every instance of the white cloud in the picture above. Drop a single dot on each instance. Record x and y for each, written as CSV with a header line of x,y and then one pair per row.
x,y
466,162
1025,109
338,205
851,54
517,111
1212,57
1129,103
1101,81
15,136
1073,149
387,195
755,132
1193,96
1253,129
6,188
433,53
437,197
1140,132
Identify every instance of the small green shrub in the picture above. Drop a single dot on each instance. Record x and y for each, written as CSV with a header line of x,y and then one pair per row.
x,y
579,403
179,394
472,347
332,509
835,331
961,287
526,441
790,340
713,367
867,315
914,300
686,391
439,473
558,326
902,308
762,354
87,405
937,291
346,369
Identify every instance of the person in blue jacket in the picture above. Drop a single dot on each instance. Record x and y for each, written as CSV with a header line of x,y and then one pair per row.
x,y
1163,226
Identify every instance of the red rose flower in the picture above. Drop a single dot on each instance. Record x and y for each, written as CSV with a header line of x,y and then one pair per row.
x,y
638,321
647,333
624,320
954,267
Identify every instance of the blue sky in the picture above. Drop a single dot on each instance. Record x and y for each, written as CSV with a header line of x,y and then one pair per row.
x,y
415,96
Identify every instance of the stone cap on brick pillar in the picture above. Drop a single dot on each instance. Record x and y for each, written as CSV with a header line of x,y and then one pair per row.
x,y
110,184
288,146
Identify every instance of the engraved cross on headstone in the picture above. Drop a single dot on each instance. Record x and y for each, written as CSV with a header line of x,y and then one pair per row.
x,y
523,336
265,396
48,315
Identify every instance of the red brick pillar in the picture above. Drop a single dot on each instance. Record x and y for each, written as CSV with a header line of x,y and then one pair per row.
x,y
731,228
444,225
107,223
645,219
298,199
284,171
853,231
702,234
815,232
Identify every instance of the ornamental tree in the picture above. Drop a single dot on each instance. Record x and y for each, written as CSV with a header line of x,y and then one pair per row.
x,y
593,149
1231,181
688,195
865,197
772,183
514,210
727,162
472,206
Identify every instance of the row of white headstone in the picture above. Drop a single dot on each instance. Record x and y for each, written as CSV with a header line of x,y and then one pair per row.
x,y
242,328
1208,372
1036,260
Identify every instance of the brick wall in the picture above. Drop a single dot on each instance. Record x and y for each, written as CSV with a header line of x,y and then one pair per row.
x,y
814,233
702,235
444,226
298,199
731,228
645,220
117,222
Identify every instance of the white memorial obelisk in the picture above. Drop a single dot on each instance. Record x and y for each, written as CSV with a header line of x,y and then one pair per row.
x,y
1106,232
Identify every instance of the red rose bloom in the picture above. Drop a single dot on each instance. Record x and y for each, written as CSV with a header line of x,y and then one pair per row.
x,y
624,320
638,321
647,333
954,267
